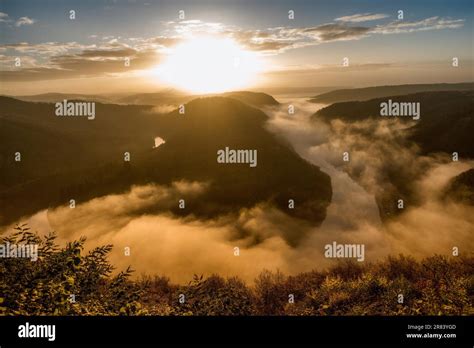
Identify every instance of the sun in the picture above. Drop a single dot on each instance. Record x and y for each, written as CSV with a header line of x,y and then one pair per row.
x,y
209,65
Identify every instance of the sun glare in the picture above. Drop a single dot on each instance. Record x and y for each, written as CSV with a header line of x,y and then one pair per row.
x,y
209,65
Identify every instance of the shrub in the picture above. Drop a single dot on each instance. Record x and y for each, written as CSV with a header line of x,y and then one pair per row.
x,y
64,281
437,285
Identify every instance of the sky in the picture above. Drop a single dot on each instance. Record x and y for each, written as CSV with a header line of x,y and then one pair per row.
x,y
86,54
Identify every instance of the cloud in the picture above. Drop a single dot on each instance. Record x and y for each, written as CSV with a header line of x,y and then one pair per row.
x,y
89,60
277,40
108,53
435,226
427,226
161,243
432,23
164,41
194,26
54,60
3,17
270,40
24,21
43,51
163,109
362,17
280,39
166,244
335,32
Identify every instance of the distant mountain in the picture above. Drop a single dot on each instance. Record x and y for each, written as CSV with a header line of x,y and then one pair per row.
x,y
176,98
461,188
446,123
166,97
173,97
297,91
57,97
64,158
252,98
362,94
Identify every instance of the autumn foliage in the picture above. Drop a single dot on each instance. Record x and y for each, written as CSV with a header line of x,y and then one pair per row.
x,y
437,285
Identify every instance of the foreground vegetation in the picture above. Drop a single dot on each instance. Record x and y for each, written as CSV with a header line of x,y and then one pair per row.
x,y
437,285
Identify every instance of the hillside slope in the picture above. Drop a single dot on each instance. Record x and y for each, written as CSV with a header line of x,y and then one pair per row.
x,y
190,153
362,94
446,123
